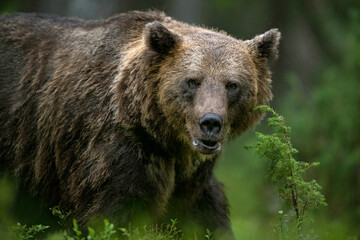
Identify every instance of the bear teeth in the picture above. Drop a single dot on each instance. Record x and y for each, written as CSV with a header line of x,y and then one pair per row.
x,y
195,142
219,147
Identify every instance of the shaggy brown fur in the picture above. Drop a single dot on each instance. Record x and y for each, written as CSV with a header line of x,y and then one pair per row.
x,y
125,117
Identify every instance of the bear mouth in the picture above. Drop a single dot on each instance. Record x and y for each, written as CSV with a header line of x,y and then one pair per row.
x,y
207,146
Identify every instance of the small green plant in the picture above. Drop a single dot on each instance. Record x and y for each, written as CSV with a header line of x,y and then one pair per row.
x,y
287,174
107,234
171,231
61,215
23,232
208,235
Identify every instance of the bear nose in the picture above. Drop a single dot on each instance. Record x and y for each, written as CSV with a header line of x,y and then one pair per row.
x,y
210,124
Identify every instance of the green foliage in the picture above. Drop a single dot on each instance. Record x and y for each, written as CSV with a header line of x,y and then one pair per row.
x,y
107,234
285,172
336,129
61,215
110,232
9,6
166,232
326,124
208,235
23,232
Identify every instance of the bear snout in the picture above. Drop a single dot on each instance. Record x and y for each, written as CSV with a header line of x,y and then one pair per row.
x,y
210,124
209,142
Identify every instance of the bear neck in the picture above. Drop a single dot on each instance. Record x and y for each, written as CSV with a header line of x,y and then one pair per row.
x,y
174,153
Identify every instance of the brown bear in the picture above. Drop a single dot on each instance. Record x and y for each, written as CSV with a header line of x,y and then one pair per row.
x,y
126,117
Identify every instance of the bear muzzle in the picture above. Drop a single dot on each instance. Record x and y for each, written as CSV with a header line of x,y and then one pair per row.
x,y
211,125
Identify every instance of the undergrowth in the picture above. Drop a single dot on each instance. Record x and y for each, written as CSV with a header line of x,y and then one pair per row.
x,y
109,232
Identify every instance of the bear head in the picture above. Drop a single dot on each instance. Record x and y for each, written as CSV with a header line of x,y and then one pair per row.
x,y
200,86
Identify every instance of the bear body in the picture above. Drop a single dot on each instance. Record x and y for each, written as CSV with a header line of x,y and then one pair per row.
x,y
126,117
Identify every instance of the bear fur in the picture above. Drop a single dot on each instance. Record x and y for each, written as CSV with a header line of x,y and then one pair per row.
x,y
125,117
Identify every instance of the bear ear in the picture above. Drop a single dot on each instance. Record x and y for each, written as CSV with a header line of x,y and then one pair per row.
x,y
160,39
265,46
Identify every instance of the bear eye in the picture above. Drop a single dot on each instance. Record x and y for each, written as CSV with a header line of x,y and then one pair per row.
x,y
231,86
193,83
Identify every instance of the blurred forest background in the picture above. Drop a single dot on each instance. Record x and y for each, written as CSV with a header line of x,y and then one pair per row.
x,y
316,85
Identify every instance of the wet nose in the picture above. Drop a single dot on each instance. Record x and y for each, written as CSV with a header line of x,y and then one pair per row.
x,y
210,124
